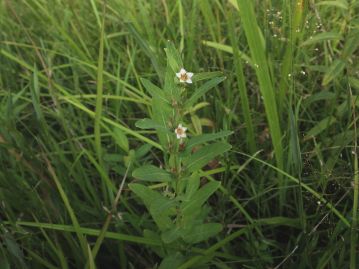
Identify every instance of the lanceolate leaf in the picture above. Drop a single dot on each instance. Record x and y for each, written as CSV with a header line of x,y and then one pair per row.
x,y
200,197
150,197
322,37
336,68
172,261
160,210
152,173
206,75
145,46
320,127
192,186
333,71
228,49
149,124
200,139
170,87
351,44
174,58
154,90
203,89
204,155
333,3
145,193
202,232
171,235
121,139
162,113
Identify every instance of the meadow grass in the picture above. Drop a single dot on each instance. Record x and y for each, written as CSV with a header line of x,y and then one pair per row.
x,y
71,90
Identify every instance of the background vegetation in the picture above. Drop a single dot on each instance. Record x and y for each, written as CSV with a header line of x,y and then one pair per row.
x,y
289,186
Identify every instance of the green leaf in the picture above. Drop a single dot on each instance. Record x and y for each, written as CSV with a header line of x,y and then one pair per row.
x,y
339,3
192,186
174,58
143,150
171,235
203,89
196,123
195,260
280,221
322,95
170,87
227,49
13,247
146,48
163,206
206,75
148,197
218,46
322,37
172,261
148,124
294,154
91,262
202,232
320,127
121,139
196,107
153,236
160,210
199,198
35,95
154,90
145,193
351,44
162,114
204,155
334,70
4,262
262,69
354,82
152,173
200,139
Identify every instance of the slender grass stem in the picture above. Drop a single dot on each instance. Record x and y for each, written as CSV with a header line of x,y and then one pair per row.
x,y
354,232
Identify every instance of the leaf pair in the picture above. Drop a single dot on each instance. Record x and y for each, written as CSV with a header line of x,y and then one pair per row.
x,y
162,210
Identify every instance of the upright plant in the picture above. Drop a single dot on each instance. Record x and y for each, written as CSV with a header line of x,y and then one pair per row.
x,y
177,203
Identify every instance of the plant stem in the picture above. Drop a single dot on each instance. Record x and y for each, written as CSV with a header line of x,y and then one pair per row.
x,y
353,232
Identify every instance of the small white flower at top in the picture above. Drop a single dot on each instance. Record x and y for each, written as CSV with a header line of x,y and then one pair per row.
x,y
184,76
181,131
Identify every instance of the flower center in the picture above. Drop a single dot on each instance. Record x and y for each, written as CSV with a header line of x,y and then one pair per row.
x,y
183,77
179,131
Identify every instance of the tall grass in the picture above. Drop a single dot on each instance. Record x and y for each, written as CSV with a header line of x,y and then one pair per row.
x,y
70,92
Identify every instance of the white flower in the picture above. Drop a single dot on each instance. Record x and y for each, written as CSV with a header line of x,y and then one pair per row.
x,y
184,76
180,131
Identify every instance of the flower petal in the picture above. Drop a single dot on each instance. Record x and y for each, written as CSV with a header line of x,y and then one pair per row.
x,y
189,74
189,80
183,71
178,75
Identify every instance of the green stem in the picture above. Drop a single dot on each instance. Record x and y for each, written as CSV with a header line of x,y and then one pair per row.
x,y
353,232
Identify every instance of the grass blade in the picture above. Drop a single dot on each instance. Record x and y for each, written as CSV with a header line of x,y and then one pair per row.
x,y
251,29
76,225
98,109
242,87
